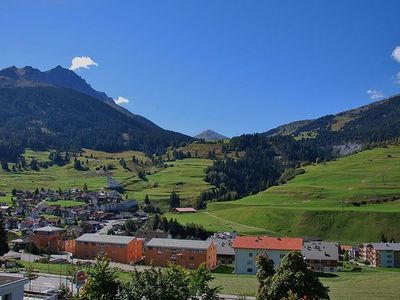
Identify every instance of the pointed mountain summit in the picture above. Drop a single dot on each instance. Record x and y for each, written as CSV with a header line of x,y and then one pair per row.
x,y
210,135
58,109
63,78
58,77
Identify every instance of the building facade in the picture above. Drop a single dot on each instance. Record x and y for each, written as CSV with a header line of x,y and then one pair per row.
x,y
122,249
48,238
381,254
12,288
225,252
321,256
187,253
248,247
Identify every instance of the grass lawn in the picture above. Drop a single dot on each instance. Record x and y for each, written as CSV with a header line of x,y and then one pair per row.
x,y
367,284
347,285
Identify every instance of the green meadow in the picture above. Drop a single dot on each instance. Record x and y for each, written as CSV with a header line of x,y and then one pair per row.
x,y
320,202
368,284
183,176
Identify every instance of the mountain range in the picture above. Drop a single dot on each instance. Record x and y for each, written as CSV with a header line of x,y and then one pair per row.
x,y
59,109
375,122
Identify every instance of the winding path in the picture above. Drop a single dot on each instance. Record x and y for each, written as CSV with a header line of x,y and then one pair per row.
x,y
242,225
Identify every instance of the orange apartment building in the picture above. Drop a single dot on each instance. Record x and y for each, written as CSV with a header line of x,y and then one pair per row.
x,y
122,249
48,238
187,253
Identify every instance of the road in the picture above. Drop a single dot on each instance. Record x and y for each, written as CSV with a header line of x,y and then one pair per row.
x,y
48,282
43,282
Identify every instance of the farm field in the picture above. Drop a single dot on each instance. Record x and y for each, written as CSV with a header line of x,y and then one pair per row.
x,y
319,202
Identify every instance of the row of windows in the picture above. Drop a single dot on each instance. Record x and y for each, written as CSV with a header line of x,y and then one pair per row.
x,y
102,244
176,250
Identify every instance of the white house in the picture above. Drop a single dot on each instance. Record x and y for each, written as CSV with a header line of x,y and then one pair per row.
x,y
248,247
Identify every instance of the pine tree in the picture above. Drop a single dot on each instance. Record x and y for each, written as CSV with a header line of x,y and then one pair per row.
x,y
174,200
146,200
3,239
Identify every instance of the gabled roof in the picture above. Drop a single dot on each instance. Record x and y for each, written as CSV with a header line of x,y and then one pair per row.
x,y
224,246
321,250
385,246
185,209
106,239
267,243
9,280
48,228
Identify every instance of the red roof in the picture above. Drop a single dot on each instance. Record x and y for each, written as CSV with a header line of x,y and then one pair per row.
x,y
185,209
267,243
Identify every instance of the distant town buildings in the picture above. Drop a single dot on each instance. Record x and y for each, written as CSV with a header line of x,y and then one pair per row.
x,y
188,253
381,254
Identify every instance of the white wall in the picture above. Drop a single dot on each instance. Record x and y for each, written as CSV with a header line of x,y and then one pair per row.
x,y
245,259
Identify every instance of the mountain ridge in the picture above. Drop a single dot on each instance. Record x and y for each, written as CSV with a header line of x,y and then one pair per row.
x,y
60,77
376,121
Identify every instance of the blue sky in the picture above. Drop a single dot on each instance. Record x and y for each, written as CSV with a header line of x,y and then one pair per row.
x,y
231,66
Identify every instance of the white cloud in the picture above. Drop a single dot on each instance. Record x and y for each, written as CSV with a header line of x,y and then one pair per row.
x,y
375,95
121,100
396,54
82,62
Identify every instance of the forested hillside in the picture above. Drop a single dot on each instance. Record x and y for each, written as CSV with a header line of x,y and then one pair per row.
x,y
274,156
376,122
46,117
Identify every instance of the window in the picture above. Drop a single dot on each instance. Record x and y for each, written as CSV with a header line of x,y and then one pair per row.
x,y
250,254
191,257
249,262
249,270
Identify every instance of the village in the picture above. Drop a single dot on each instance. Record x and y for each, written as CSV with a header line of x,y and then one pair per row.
x,y
105,225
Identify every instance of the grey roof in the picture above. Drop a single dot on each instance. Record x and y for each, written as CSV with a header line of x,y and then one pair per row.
x,y
48,228
224,246
175,243
321,250
385,246
6,280
106,239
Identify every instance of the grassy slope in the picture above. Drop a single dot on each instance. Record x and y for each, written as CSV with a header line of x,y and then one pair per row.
x,y
311,204
185,176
